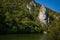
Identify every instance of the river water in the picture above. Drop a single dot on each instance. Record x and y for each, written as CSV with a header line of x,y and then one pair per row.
x,y
23,37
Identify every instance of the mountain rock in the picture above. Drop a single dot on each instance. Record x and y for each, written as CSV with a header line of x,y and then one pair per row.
x,y
20,16
31,6
43,15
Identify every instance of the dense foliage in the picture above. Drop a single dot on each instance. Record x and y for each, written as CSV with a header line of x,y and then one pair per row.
x,y
15,18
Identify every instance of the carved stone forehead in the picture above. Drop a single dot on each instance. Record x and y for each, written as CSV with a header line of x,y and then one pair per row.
x,y
43,7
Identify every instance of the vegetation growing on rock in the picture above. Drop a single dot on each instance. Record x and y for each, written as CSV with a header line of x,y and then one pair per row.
x,y
15,18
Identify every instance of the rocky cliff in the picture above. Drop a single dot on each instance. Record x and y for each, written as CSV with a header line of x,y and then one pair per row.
x,y
21,16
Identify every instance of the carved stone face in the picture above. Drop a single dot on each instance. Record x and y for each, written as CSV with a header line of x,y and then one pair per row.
x,y
42,15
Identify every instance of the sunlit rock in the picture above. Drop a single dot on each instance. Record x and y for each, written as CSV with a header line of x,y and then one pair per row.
x,y
43,15
45,32
31,6
58,18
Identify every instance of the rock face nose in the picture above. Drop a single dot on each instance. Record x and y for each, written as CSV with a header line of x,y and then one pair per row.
x,y
43,17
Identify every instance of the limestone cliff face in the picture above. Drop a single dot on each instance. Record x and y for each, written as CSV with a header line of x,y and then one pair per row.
x,y
43,17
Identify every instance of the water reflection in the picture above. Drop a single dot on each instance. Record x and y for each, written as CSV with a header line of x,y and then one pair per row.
x,y
23,37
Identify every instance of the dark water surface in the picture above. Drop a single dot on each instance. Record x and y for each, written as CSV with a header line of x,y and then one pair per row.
x,y
22,37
